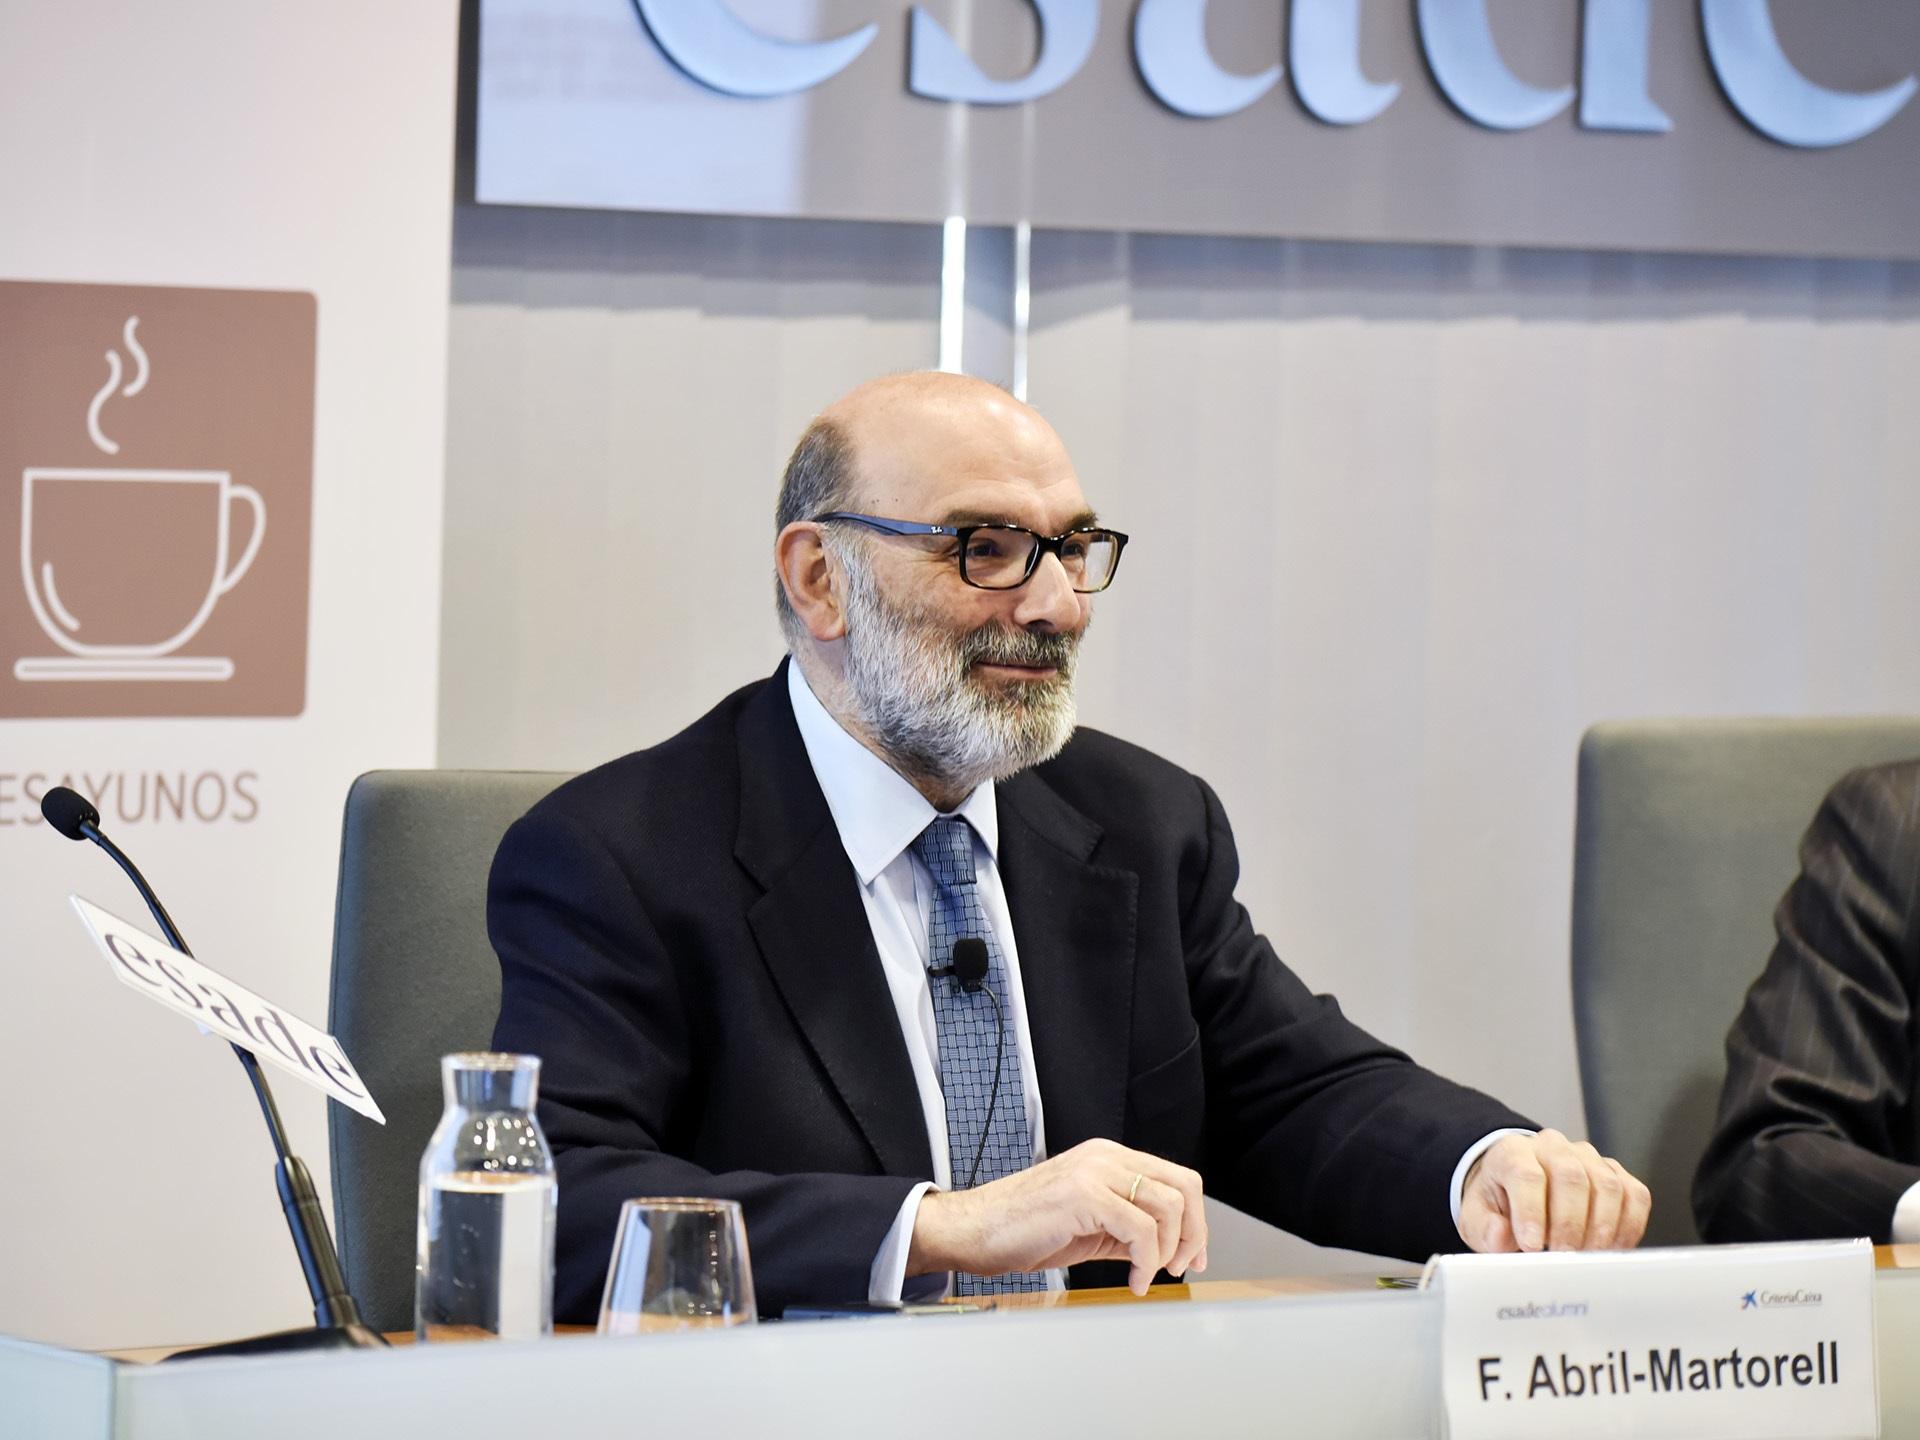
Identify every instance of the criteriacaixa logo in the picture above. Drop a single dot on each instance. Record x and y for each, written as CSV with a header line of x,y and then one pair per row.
x,y
1758,1299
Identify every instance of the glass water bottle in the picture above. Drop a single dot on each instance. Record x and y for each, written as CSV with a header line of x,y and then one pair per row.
x,y
484,1265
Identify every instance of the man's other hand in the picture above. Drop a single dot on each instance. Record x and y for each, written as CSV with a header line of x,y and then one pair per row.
x,y
1543,1192
1098,1201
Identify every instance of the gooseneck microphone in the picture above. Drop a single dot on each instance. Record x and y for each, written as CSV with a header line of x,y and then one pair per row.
x,y
968,966
337,1324
75,817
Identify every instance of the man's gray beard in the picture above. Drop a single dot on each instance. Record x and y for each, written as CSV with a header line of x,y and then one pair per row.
x,y
912,685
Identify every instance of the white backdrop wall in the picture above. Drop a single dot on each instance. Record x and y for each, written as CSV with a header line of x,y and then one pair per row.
x,y
1406,521
223,144
617,386
1414,518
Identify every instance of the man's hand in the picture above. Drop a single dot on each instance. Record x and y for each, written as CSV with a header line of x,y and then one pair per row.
x,y
1543,1192
1083,1205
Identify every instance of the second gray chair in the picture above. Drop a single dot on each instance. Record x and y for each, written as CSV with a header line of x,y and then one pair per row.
x,y
414,978
1688,834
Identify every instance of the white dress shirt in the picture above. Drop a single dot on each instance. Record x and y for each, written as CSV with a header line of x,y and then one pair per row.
x,y
879,815
1906,1217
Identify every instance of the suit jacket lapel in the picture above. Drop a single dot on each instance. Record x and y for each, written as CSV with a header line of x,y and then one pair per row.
x,y
813,934
1074,923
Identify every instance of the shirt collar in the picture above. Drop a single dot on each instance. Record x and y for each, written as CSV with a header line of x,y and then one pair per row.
x,y
876,810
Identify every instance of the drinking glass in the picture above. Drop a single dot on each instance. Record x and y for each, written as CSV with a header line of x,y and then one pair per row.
x,y
678,1265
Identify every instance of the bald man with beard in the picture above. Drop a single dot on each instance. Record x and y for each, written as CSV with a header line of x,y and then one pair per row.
x,y
951,995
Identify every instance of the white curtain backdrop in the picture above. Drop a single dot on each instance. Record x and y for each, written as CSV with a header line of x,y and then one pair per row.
x,y
624,390
1411,519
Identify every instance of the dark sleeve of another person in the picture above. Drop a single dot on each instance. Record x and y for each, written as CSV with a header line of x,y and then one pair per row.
x,y
1816,1131
588,985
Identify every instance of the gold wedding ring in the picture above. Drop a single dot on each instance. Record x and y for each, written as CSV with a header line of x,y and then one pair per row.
x,y
1134,1189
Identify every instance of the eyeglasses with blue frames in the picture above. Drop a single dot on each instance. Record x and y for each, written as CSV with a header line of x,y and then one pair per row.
x,y
1004,557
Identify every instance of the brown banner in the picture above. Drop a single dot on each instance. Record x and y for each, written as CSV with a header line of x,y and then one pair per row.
x,y
156,476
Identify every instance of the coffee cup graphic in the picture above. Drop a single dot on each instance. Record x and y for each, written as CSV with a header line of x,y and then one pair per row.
x,y
156,457
123,567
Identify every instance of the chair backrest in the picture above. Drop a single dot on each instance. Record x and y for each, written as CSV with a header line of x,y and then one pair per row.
x,y
1688,834
414,978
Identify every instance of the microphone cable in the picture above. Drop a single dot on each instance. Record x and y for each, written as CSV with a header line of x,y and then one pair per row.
x,y
968,966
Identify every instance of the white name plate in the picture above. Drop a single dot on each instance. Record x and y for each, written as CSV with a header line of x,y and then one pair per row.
x,y
176,980
1764,1342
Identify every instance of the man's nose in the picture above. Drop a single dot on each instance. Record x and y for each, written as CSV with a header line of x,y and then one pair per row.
x,y
1048,599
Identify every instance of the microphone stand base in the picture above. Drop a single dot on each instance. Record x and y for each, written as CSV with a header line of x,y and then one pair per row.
x,y
286,1342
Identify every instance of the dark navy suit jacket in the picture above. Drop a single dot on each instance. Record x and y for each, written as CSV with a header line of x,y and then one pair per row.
x,y
1819,1128
682,938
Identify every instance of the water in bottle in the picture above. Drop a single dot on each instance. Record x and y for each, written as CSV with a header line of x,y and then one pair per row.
x,y
487,1196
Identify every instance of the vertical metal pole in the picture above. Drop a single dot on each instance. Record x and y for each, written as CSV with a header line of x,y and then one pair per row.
x,y
953,293
1022,304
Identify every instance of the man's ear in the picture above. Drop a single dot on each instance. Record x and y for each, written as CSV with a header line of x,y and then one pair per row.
x,y
811,579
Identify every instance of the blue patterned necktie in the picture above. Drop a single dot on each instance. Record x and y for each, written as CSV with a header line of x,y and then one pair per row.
x,y
967,1025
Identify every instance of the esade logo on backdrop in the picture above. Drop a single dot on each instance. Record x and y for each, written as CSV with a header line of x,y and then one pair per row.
x,y
156,477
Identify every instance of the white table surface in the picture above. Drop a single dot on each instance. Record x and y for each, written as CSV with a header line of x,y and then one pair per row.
x,y
1360,1364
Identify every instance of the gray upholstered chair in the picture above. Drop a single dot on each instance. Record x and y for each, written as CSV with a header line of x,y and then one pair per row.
x,y
1688,834
413,978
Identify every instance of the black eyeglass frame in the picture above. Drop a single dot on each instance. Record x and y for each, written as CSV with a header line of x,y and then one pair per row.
x,y
1042,544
